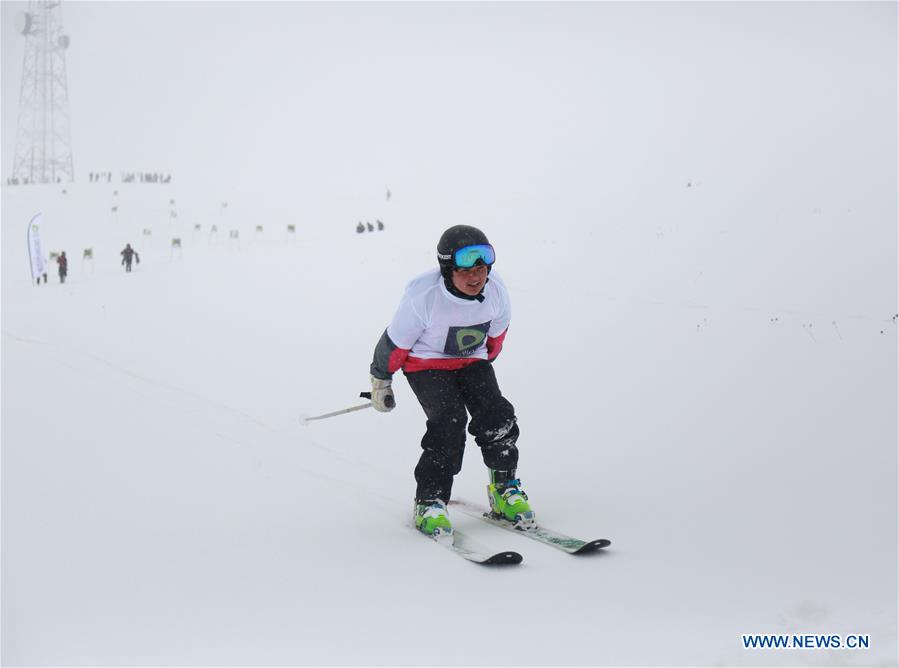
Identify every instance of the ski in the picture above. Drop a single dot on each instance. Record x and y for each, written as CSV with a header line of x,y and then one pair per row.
x,y
555,539
456,543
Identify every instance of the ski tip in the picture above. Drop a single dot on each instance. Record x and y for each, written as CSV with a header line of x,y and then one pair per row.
x,y
593,546
504,558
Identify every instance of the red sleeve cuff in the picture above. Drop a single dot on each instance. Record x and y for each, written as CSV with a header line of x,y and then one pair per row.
x,y
397,359
495,345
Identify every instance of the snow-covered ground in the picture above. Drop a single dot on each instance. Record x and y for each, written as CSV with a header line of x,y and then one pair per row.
x,y
702,356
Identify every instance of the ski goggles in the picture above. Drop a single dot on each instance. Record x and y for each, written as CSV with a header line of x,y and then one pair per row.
x,y
469,256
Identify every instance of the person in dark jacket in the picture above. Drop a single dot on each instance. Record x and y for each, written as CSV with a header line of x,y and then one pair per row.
x,y
129,254
63,263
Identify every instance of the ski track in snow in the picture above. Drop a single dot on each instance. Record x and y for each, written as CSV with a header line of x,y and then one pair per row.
x,y
197,408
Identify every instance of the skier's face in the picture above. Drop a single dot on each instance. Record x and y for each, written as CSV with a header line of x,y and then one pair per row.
x,y
470,281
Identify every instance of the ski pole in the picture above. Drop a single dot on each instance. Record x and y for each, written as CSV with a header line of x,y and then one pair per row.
x,y
342,411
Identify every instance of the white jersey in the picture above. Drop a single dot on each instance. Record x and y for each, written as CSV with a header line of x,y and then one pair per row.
x,y
433,324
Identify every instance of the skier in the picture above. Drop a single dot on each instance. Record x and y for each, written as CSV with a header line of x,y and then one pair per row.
x,y
127,255
63,263
447,331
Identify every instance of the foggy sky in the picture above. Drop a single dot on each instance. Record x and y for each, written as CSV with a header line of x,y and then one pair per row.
x,y
516,113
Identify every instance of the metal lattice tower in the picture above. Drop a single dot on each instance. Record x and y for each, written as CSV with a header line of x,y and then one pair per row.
x,y
43,141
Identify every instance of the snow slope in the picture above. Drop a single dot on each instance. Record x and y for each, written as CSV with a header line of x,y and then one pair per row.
x,y
702,357
162,503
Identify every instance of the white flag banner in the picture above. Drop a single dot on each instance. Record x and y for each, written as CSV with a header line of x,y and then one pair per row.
x,y
35,251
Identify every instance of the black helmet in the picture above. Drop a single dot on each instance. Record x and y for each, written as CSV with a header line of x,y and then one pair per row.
x,y
454,239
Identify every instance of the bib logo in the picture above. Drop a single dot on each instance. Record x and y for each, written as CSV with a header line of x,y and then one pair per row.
x,y
463,341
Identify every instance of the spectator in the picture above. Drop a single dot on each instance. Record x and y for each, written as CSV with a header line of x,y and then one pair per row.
x,y
129,254
63,263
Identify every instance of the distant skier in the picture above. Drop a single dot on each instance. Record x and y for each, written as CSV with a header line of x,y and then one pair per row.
x,y
63,263
129,254
447,331
360,228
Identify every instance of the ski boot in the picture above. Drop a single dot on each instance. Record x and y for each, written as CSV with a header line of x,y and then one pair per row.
x,y
508,501
431,518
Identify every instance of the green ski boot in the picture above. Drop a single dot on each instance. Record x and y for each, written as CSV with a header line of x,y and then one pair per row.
x,y
508,501
431,518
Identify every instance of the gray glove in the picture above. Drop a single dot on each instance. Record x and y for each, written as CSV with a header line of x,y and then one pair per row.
x,y
382,395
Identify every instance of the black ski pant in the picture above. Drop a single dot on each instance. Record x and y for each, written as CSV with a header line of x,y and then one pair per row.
x,y
445,397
